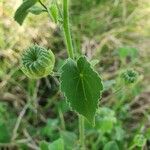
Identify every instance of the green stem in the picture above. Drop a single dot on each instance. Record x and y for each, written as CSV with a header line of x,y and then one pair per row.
x,y
66,29
43,5
62,119
81,131
133,146
70,51
32,90
46,9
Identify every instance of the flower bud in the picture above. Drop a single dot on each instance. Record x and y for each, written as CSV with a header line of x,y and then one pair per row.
x,y
37,62
129,76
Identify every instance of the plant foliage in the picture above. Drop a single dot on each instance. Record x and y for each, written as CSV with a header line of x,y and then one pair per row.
x,y
82,87
22,11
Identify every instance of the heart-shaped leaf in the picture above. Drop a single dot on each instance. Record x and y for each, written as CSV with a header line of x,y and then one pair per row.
x,y
82,87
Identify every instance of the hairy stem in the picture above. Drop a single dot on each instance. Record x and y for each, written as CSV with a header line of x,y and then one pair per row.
x,y
68,40
81,132
66,29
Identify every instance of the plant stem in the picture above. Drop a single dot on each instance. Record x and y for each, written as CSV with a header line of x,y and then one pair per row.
x,y
81,131
70,51
132,146
66,29
43,5
62,119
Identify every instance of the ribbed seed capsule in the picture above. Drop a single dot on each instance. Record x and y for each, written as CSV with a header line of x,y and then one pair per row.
x,y
130,76
37,62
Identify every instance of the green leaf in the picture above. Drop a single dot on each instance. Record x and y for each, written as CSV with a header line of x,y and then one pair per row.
x,y
94,62
119,133
44,145
139,140
54,12
147,134
36,10
82,87
112,145
4,134
128,51
69,138
22,11
50,129
57,145
63,106
105,122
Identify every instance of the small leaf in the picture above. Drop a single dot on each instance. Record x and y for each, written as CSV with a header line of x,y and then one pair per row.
x,y
69,138
4,134
112,145
139,140
36,10
57,145
54,12
82,87
22,11
128,51
50,128
44,145
105,122
94,62
119,133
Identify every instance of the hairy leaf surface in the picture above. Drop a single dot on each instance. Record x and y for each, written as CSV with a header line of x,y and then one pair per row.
x,y
82,87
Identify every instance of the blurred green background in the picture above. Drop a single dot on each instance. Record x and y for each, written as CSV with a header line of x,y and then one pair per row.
x,y
116,35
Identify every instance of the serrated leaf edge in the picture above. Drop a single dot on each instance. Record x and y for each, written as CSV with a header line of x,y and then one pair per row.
x,y
100,93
